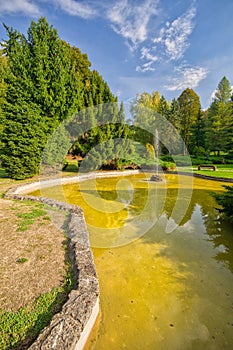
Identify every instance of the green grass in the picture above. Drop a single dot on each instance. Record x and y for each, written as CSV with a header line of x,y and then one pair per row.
x,y
223,171
22,327
217,173
22,260
34,213
19,329
26,219
225,166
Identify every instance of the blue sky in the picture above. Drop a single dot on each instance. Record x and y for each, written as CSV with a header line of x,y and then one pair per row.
x,y
146,45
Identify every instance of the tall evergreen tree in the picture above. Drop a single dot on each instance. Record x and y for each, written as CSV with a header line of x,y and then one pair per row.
x,y
219,123
47,82
174,114
189,103
20,137
163,107
198,136
224,91
3,87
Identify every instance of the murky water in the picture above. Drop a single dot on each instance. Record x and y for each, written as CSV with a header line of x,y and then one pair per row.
x,y
159,290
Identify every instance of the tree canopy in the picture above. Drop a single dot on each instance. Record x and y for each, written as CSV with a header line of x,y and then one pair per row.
x,y
202,131
44,81
47,81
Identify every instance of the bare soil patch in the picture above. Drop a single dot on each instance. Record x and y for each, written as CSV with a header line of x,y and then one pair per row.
x,y
32,252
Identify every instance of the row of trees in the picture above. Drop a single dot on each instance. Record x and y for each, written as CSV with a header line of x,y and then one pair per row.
x,y
43,80
202,131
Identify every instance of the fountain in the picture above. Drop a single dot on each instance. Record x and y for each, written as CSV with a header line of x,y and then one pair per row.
x,y
156,177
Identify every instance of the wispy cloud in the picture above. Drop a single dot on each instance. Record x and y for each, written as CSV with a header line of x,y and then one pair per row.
x,y
171,43
131,21
147,54
186,77
150,58
32,8
76,8
25,7
146,67
173,38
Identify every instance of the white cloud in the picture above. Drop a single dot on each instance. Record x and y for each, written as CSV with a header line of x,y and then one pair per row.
x,y
146,67
131,21
171,42
174,36
76,8
146,53
26,7
187,77
31,8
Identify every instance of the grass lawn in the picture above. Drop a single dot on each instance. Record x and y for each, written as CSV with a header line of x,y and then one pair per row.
x,y
223,170
32,249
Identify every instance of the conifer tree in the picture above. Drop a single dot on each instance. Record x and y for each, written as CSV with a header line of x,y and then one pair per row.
x,y
198,136
3,86
189,104
45,85
223,93
219,123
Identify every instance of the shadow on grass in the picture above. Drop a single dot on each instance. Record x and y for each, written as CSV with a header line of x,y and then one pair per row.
x,y
71,168
3,174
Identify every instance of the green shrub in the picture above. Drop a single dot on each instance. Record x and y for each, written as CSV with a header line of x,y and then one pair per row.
x,y
229,157
168,166
166,158
199,160
199,151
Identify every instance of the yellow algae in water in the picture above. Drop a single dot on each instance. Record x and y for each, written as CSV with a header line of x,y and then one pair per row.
x,y
104,203
142,287
163,291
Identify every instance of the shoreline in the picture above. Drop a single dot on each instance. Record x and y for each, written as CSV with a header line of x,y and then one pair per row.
x,y
83,301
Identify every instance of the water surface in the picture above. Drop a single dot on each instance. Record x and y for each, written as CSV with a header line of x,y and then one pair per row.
x,y
159,290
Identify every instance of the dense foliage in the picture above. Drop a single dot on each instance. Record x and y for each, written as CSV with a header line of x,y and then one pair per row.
x,y
43,80
203,132
225,199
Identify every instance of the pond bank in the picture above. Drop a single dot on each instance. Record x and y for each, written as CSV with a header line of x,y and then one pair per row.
x,y
70,328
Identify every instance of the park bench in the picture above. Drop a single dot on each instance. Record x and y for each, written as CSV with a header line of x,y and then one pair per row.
x,y
207,166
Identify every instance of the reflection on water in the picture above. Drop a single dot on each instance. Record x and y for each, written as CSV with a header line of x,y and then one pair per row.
x,y
161,291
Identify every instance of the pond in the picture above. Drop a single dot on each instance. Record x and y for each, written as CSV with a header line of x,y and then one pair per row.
x,y
160,289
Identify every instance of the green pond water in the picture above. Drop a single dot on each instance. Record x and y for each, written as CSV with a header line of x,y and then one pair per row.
x,y
160,288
